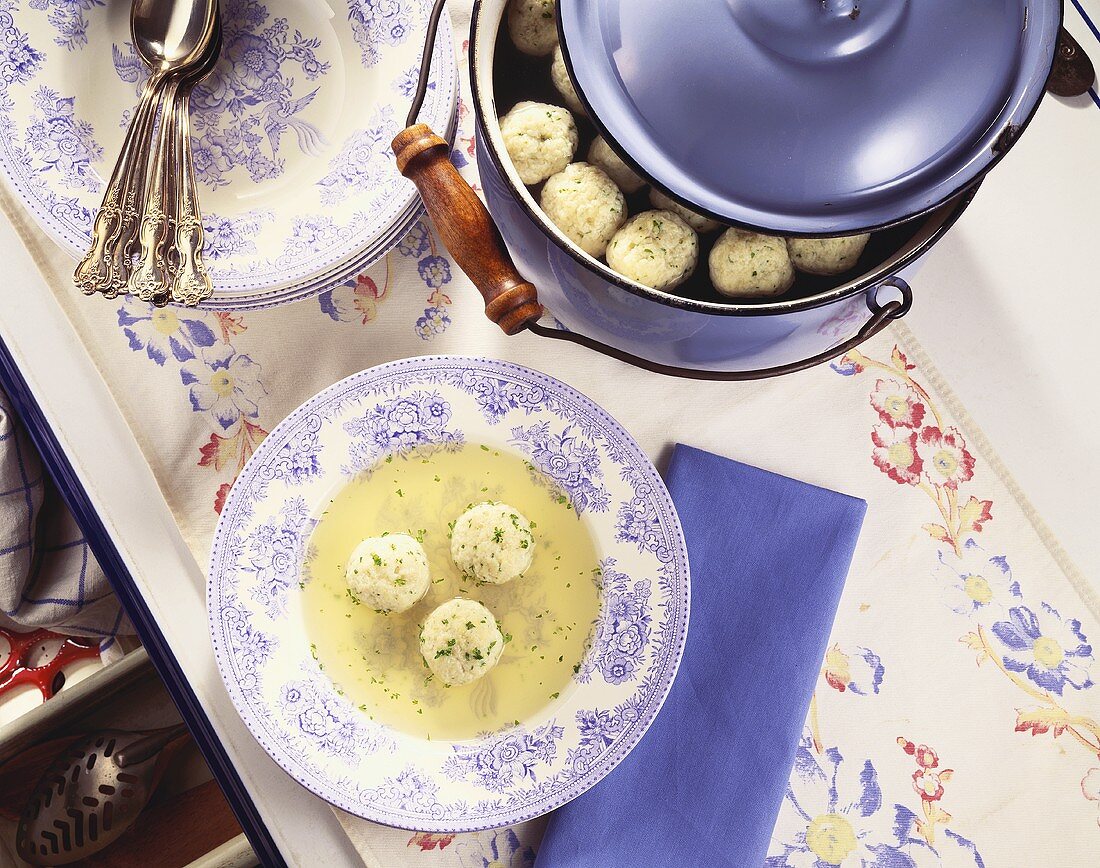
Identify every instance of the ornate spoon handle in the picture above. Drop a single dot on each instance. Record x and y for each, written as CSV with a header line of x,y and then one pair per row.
x,y
120,246
150,279
192,283
97,271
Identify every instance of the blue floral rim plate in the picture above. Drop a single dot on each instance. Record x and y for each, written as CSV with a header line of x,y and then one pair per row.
x,y
318,736
291,133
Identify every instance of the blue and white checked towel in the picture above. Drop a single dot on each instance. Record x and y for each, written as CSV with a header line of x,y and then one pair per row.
x,y
48,577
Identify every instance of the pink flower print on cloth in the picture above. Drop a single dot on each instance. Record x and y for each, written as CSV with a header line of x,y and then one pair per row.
x,y
895,453
897,404
1090,789
944,457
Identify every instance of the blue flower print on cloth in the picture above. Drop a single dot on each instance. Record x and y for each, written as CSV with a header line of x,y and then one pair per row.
x,y
164,332
498,849
859,671
434,322
228,392
435,271
834,816
417,242
977,583
1051,650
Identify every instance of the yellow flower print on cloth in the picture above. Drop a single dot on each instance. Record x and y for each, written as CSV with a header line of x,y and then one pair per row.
x,y
977,583
835,814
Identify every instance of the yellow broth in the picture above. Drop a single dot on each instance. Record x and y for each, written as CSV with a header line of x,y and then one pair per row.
x,y
546,615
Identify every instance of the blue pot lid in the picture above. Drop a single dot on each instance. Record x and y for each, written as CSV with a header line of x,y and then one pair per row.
x,y
810,116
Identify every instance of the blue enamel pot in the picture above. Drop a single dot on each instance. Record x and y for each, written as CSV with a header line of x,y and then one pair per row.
x,y
696,334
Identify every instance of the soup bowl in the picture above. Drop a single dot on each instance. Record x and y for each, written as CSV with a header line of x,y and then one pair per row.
x,y
258,588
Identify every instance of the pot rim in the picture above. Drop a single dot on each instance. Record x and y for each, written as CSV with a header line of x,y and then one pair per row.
x,y
925,237
1010,134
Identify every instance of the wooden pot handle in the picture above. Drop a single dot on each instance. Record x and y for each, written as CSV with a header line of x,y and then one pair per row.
x,y
467,229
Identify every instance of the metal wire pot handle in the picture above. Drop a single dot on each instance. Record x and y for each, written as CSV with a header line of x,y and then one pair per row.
x,y
881,316
470,234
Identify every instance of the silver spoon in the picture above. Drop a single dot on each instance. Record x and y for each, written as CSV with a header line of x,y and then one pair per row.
x,y
190,280
120,247
91,794
172,37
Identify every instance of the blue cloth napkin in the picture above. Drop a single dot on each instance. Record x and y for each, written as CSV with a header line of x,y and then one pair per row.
x,y
768,556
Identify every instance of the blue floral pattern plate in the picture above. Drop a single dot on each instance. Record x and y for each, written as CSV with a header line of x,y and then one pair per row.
x,y
336,750
291,133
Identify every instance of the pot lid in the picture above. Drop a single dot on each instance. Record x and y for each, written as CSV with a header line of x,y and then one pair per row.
x,y
810,116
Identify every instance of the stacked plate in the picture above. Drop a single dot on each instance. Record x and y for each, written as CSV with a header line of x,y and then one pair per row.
x,y
291,133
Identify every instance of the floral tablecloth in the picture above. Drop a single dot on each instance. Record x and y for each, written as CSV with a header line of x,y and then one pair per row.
x,y
956,721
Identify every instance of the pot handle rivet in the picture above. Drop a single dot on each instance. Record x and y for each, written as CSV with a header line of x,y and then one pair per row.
x,y
1072,73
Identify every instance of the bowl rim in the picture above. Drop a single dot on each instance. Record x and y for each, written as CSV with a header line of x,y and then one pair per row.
x,y
664,677
937,220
